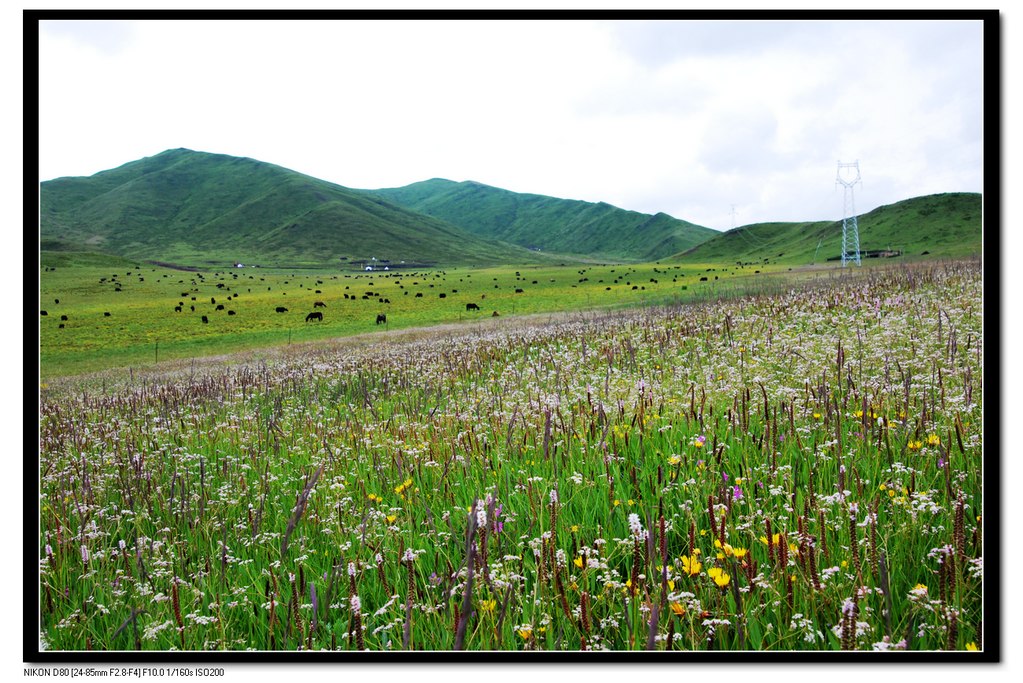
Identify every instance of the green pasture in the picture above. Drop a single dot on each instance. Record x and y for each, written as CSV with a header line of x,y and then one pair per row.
x,y
143,327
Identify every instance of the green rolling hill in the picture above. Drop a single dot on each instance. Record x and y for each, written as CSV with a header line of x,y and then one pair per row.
x,y
941,225
198,208
201,209
548,224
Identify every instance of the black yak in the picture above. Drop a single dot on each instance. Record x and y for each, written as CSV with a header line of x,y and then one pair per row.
x,y
381,319
315,315
281,309
472,307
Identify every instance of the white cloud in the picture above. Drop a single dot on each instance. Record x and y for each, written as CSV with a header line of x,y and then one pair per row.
x,y
678,116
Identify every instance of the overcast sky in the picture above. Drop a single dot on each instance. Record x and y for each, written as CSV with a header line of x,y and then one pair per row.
x,y
686,117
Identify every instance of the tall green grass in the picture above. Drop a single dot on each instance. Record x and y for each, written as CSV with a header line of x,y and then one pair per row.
x,y
789,471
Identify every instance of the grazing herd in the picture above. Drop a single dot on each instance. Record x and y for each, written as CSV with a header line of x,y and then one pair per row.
x,y
317,315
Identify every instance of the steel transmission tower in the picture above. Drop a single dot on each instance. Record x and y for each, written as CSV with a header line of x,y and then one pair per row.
x,y
847,181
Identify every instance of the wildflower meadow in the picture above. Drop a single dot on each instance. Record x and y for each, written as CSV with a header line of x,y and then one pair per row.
x,y
794,471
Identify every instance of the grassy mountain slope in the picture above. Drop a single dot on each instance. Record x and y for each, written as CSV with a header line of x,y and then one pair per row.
x,y
191,207
550,224
940,225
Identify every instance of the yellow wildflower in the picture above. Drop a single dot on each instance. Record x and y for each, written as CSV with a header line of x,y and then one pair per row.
x,y
720,577
691,565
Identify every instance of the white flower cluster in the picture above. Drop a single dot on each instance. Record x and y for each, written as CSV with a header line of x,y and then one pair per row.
x,y
636,527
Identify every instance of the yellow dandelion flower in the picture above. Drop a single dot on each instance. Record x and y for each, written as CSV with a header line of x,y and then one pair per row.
x,y
691,565
720,577
677,608
488,605
578,562
972,646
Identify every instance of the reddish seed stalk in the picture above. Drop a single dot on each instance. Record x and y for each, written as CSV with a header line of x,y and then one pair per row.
x,y
176,605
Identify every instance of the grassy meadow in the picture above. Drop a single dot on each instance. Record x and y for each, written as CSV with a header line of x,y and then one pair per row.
x,y
144,328
795,468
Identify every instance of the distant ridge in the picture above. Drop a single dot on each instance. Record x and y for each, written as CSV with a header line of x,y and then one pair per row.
x,y
565,226
948,225
195,207
199,209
